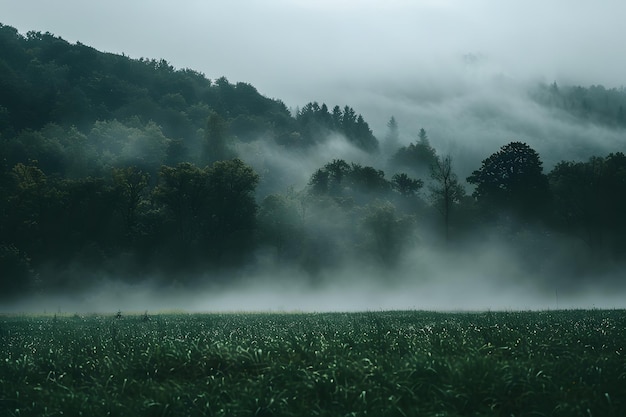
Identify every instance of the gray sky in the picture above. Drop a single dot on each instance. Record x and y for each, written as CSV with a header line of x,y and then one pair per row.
x,y
304,50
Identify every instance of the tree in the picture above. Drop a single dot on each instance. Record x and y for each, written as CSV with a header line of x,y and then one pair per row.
x,y
130,184
91,204
280,225
589,201
337,170
417,157
363,136
16,274
330,178
348,121
386,231
512,180
182,191
336,118
28,203
393,135
319,182
216,140
406,185
368,180
446,190
231,210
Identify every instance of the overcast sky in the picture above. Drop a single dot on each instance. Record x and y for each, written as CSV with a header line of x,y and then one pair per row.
x,y
303,50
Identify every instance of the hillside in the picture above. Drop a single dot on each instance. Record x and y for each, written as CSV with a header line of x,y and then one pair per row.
x,y
45,79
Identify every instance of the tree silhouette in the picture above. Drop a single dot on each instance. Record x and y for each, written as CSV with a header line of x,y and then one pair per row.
x,y
406,185
231,210
182,191
417,157
130,184
216,140
512,180
446,189
589,201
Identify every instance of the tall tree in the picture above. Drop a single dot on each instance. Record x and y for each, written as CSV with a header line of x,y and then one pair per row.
x,y
446,191
336,117
216,140
231,209
182,191
386,232
392,139
417,157
589,201
130,184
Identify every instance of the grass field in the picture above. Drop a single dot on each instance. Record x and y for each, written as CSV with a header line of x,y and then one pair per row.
x,y
559,363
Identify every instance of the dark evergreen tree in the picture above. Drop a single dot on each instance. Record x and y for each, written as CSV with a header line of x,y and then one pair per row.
x,y
392,139
418,157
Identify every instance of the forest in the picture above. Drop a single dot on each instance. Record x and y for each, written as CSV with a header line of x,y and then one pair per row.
x,y
112,167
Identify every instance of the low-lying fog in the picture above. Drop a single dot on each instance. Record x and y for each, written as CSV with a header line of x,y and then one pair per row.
x,y
489,277
452,293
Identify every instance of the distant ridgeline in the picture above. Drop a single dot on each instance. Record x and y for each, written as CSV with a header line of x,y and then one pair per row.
x,y
45,79
596,103
125,168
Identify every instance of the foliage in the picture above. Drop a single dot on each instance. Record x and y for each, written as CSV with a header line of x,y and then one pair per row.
x,y
342,180
45,79
231,210
589,201
316,121
130,185
17,275
387,233
405,185
418,157
512,179
280,225
446,192
560,363
595,104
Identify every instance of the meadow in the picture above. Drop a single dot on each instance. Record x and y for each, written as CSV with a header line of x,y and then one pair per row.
x,y
400,363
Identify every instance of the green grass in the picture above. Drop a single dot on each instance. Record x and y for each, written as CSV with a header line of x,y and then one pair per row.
x,y
562,363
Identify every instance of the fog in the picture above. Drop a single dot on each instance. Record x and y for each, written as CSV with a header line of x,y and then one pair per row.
x,y
486,273
465,72
471,120
432,280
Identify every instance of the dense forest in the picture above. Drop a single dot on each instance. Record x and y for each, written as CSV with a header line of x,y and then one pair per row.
x,y
112,167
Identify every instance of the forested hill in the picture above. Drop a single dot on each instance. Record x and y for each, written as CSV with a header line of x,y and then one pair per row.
x,y
45,79
606,106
